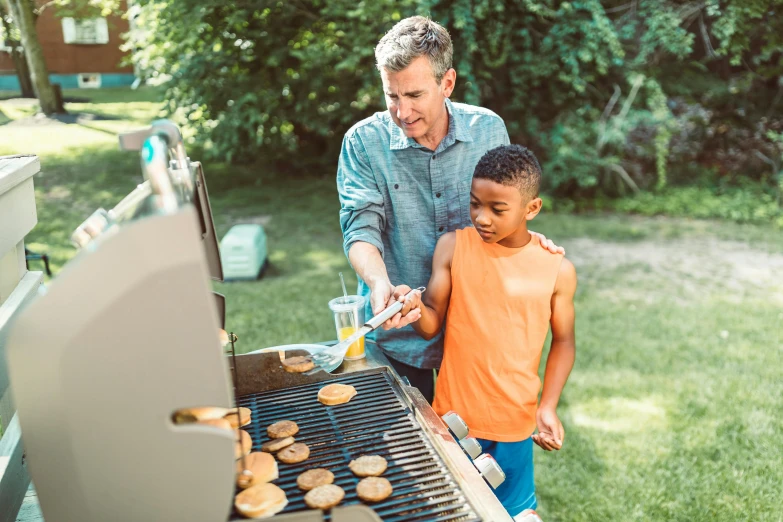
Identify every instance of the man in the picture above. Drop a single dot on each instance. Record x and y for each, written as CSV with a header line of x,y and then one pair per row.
x,y
404,180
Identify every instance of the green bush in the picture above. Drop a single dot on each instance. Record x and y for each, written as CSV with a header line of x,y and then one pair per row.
x,y
612,95
743,205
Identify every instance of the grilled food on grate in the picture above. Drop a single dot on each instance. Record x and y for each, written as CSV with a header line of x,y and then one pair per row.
x,y
243,445
274,445
334,394
263,466
294,453
298,364
244,417
282,429
368,466
312,478
324,497
261,501
374,489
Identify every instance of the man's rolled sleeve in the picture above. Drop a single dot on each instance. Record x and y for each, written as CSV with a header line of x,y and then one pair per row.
x,y
362,215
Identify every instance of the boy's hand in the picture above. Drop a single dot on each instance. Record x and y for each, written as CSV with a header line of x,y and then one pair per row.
x,y
550,430
382,295
411,309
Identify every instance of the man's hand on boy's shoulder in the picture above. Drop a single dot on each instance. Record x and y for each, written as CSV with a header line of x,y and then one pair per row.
x,y
550,430
548,244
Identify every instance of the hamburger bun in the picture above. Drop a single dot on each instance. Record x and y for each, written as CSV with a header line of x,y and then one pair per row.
x,y
244,416
334,394
263,467
260,501
198,414
243,445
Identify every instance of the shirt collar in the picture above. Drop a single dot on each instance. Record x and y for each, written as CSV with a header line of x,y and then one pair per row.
x,y
457,132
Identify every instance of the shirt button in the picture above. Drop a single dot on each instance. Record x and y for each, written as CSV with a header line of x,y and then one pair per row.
x,y
440,229
434,157
396,186
437,195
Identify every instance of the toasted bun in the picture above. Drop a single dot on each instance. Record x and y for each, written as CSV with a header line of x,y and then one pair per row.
x,y
218,423
244,445
334,394
263,466
244,417
260,501
198,414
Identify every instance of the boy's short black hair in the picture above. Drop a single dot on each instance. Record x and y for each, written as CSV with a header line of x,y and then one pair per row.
x,y
511,165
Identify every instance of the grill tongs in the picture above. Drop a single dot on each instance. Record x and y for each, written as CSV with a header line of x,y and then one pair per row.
x,y
332,357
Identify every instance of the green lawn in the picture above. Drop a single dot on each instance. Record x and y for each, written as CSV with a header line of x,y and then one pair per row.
x,y
673,411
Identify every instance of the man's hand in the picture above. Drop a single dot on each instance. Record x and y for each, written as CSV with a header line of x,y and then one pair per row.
x,y
550,430
383,295
548,244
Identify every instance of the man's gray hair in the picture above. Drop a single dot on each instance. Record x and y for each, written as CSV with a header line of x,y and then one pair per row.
x,y
413,37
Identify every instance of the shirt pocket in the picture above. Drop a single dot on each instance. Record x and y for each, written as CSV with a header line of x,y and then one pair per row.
x,y
405,204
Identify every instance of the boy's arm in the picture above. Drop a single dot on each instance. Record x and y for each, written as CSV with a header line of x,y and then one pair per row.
x,y
435,301
561,357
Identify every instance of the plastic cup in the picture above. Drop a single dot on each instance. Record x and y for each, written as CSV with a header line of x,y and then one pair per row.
x,y
348,317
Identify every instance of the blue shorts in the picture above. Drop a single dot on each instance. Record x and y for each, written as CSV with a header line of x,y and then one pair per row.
x,y
518,492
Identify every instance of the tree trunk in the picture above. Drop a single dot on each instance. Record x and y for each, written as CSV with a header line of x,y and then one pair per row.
x,y
24,19
23,72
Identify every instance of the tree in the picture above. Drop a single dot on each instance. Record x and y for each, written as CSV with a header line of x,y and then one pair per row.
x,y
24,19
11,37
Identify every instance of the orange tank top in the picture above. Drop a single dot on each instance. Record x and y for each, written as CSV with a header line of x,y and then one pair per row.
x,y
496,325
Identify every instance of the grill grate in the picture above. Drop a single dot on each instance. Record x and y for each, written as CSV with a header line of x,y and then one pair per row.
x,y
375,422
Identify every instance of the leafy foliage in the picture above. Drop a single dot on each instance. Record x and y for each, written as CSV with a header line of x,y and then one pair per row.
x,y
615,96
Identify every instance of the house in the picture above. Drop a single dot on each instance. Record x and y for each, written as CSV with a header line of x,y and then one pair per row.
x,y
79,53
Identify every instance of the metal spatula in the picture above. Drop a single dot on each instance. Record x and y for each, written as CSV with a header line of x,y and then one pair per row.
x,y
332,357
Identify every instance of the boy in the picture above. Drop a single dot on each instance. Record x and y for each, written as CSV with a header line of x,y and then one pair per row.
x,y
498,292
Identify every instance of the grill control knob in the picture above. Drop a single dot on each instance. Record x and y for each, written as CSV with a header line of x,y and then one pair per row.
x,y
471,447
490,470
456,425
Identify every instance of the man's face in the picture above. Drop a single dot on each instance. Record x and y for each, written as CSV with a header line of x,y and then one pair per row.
x,y
416,101
497,211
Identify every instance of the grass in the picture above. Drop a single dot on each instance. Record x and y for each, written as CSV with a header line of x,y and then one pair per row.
x,y
673,411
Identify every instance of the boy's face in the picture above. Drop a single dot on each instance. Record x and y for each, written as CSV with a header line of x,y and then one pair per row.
x,y
498,211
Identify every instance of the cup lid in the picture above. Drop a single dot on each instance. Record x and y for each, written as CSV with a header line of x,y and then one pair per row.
x,y
346,303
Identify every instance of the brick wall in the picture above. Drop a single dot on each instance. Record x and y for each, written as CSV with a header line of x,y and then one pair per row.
x,y
62,58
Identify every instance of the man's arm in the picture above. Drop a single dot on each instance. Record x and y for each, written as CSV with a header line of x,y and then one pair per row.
x,y
562,353
362,219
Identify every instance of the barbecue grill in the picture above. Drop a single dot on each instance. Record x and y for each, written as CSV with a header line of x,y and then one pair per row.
x,y
132,335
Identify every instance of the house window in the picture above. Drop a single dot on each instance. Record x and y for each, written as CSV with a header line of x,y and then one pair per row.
x,y
85,31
